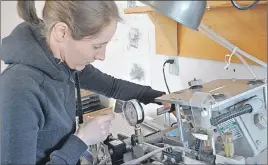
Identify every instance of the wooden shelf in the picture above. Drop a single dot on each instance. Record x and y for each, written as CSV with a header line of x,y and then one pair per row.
x,y
221,3
247,29
139,9
165,34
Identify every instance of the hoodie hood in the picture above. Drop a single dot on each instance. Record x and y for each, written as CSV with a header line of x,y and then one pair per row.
x,y
26,46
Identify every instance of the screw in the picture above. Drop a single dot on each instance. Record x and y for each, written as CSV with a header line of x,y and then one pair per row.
x,y
258,142
219,139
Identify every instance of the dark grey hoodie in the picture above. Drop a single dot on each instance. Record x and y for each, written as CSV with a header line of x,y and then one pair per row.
x,y
37,101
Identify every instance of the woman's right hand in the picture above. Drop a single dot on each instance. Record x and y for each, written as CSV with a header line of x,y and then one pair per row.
x,y
95,130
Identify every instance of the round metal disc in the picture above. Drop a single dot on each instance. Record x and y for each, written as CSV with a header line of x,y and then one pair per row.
x,y
133,112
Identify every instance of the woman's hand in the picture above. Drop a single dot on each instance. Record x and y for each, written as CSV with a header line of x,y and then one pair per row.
x,y
95,130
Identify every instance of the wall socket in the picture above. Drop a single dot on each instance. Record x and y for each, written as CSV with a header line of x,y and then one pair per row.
x,y
174,68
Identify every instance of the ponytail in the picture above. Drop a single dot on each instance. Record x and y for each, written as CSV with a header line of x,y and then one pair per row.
x,y
27,11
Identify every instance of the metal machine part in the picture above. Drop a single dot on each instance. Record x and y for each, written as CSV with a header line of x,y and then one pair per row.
x,y
171,156
231,88
229,115
236,106
138,135
240,116
116,149
195,84
134,114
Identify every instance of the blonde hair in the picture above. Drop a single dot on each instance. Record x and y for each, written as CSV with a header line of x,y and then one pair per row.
x,y
84,18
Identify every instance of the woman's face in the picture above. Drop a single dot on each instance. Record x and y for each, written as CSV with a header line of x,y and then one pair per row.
x,y
78,53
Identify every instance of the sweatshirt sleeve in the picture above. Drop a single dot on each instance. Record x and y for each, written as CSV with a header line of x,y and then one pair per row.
x,y
22,117
94,80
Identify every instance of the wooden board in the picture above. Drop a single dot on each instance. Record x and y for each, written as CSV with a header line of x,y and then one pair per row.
x,y
165,34
246,29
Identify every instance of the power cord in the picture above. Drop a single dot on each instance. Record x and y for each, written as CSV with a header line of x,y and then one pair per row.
x,y
170,61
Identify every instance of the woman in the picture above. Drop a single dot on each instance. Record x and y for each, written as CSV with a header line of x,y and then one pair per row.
x,y
37,97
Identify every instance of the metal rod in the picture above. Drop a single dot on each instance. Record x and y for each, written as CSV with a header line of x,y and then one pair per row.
x,y
169,120
180,130
224,43
140,159
165,120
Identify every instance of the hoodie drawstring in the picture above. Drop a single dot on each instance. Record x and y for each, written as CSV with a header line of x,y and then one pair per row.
x,y
79,111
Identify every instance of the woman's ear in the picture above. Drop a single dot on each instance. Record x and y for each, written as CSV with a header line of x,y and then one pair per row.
x,y
60,31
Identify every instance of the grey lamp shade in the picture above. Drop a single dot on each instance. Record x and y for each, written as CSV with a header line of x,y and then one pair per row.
x,y
188,13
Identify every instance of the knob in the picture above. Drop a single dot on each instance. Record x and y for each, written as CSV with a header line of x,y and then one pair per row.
x,y
260,120
195,83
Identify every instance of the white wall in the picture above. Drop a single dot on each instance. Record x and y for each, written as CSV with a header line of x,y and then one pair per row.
x,y
117,52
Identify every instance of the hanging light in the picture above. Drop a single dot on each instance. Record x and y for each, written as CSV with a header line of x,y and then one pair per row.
x,y
188,13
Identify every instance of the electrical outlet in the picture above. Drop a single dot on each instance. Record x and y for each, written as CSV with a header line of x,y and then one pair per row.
x,y
174,68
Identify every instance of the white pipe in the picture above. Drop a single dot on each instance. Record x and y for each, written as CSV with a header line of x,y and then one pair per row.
x,y
224,43
246,64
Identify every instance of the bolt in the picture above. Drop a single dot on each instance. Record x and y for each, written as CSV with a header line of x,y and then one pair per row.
x,y
258,142
215,130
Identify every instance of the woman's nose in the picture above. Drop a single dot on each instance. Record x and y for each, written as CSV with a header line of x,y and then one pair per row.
x,y
101,55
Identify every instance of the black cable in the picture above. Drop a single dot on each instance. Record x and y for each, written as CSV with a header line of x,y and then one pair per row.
x,y
79,100
173,124
164,75
244,7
